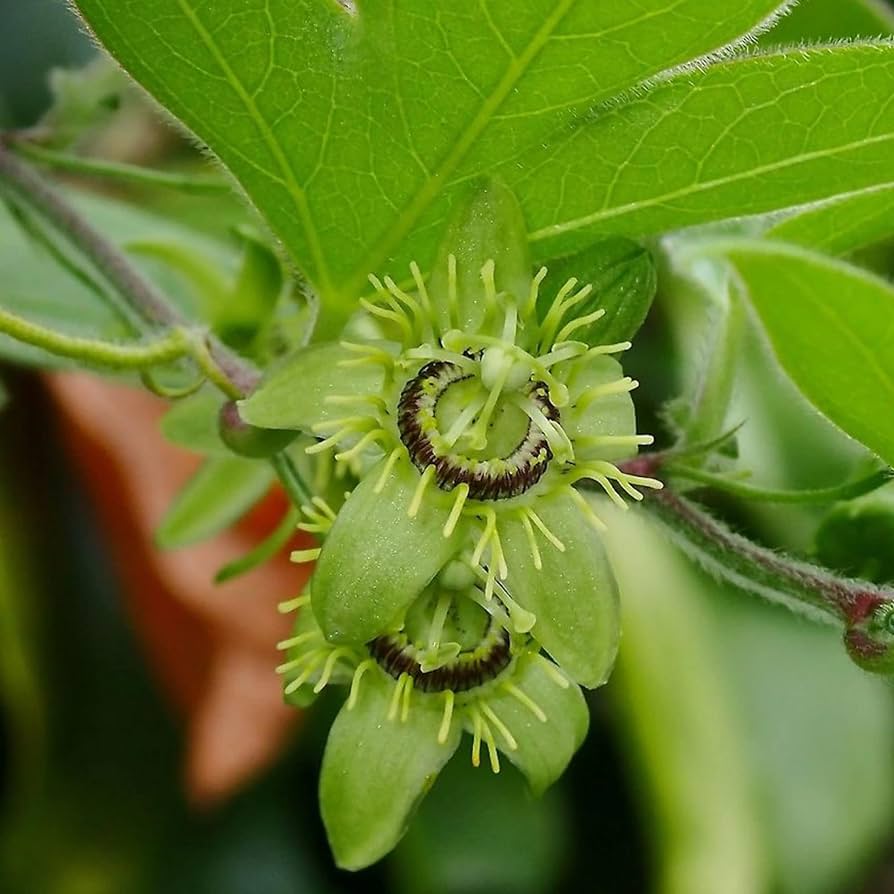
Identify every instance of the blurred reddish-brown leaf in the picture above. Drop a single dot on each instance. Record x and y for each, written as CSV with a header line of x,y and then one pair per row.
x,y
212,647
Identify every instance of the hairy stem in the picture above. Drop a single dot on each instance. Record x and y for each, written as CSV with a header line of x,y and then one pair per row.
x,y
863,609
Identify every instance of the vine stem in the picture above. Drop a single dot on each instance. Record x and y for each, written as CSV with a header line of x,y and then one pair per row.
x,y
232,374
150,306
863,609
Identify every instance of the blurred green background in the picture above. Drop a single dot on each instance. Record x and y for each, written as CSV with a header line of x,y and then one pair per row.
x,y
735,751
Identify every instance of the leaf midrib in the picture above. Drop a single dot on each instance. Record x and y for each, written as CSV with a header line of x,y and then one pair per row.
x,y
432,186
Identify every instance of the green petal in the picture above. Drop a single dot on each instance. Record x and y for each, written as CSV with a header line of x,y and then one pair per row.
x,y
611,414
376,559
544,747
573,595
487,226
376,770
293,393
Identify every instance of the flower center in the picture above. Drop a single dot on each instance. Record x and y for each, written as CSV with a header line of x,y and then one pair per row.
x,y
484,424
449,641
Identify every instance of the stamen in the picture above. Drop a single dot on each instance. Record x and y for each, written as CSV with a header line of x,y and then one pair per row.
x,y
489,582
531,306
395,698
497,556
452,302
436,629
370,437
544,529
616,348
300,556
386,471
510,326
462,493
306,674
394,316
476,737
285,644
569,328
558,440
523,621
554,314
424,481
532,540
490,285
328,667
362,668
324,507
478,434
461,423
523,697
490,526
429,352
420,287
558,677
405,702
491,715
619,386
291,605
444,731
588,510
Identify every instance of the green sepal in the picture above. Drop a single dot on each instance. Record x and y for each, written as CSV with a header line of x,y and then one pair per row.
x,y
376,559
488,226
611,414
293,393
192,423
376,770
544,747
573,595
624,279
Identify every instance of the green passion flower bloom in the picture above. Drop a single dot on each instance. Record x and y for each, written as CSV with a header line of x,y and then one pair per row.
x,y
457,665
470,406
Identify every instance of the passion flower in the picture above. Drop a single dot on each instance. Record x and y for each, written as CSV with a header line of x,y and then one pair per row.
x,y
456,665
470,413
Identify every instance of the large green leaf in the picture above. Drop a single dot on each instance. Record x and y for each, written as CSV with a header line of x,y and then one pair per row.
x,y
830,327
742,137
352,132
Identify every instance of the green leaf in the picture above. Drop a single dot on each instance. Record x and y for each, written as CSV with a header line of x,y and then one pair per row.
x,y
680,722
544,746
827,323
294,392
573,595
624,280
352,132
376,559
741,137
376,769
221,492
843,224
193,423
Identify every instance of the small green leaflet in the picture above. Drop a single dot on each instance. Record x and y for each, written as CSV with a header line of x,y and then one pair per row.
x,y
832,327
